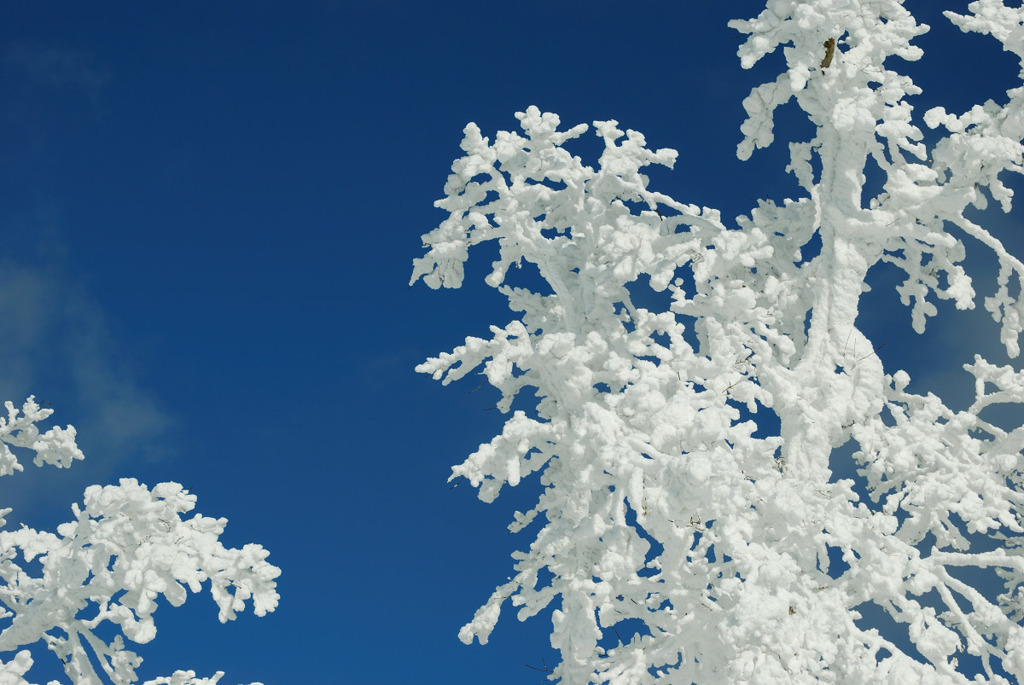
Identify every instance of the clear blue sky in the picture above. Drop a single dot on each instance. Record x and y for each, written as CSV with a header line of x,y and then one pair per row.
x,y
208,213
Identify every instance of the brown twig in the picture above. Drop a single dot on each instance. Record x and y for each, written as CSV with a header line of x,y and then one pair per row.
x,y
830,51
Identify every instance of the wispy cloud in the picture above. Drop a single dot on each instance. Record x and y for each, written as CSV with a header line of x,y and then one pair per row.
x,y
58,68
56,343
124,415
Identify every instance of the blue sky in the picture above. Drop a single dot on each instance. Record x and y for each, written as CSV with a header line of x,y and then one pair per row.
x,y
208,217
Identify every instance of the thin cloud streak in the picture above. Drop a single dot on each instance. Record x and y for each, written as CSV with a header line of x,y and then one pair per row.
x,y
57,345
58,68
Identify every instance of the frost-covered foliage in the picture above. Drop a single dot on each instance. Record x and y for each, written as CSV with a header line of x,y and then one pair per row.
x,y
666,502
103,573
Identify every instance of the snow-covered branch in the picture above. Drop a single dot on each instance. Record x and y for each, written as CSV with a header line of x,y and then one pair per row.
x,y
126,548
684,449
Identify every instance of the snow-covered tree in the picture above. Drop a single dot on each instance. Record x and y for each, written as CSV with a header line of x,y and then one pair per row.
x,y
688,506
103,573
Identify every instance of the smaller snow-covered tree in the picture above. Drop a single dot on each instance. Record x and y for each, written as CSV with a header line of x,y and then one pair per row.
x,y
679,534
105,571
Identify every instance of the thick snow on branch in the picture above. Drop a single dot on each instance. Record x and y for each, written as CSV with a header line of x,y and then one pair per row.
x,y
669,501
56,446
126,548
